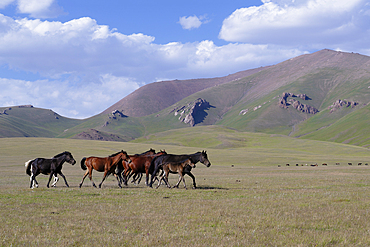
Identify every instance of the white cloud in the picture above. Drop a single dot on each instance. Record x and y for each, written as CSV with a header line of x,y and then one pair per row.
x,y
190,22
79,101
39,8
305,23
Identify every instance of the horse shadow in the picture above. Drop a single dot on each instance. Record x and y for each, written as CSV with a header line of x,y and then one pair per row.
x,y
210,188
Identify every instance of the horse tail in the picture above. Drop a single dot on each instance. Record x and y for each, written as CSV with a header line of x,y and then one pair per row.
x,y
83,166
28,167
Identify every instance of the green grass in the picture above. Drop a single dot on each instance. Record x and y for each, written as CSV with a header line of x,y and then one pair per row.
x,y
243,199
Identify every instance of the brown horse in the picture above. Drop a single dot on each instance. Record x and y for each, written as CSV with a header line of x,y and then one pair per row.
x,y
140,163
107,165
175,167
124,169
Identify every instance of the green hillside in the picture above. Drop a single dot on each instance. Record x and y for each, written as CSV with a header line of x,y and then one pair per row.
x,y
27,121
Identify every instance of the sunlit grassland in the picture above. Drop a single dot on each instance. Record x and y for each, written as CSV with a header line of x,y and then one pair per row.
x,y
243,199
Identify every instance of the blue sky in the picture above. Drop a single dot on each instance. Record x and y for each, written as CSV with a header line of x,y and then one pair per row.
x,y
80,57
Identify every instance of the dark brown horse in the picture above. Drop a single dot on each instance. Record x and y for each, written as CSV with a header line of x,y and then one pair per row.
x,y
157,163
175,167
107,165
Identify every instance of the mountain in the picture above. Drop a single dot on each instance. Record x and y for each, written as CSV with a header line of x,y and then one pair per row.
x,y
156,96
323,96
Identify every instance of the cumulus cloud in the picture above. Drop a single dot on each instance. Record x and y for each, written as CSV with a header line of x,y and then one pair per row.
x,y
306,23
191,22
66,98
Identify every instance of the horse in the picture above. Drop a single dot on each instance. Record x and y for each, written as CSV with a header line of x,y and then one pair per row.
x,y
51,167
124,168
157,163
175,167
107,165
140,163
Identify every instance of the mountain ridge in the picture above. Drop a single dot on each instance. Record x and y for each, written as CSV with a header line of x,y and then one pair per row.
x,y
248,101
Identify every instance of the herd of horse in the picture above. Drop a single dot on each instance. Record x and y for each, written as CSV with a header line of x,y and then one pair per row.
x,y
122,166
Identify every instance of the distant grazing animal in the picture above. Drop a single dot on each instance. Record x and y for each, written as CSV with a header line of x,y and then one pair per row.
x,y
157,163
51,167
107,165
175,167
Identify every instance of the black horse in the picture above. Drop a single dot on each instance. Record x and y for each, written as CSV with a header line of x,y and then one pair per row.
x,y
158,162
51,167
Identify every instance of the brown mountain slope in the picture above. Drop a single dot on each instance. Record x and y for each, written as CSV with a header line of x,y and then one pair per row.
x,y
157,96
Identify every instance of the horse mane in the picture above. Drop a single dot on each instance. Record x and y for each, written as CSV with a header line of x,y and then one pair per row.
x,y
58,155
150,150
112,155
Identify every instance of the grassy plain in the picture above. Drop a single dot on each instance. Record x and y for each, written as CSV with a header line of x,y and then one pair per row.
x,y
243,199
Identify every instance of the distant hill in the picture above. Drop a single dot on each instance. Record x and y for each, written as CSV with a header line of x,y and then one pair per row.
x,y
28,121
322,96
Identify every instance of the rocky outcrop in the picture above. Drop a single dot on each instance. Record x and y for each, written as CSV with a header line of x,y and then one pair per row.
x,y
303,108
116,114
341,103
192,113
284,102
25,106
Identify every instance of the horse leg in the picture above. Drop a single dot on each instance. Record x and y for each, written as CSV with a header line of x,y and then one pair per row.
x,y
65,180
178,182
106,173
51,175
33,181
56,179
166,173
83,178
134,178
127,175
159,181
90,176
140,177
192,176
152,176
119,183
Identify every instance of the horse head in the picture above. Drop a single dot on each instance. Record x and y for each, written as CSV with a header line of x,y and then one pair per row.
x,y
162,152
125,156
204,159
69,158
